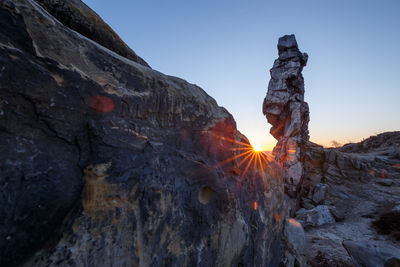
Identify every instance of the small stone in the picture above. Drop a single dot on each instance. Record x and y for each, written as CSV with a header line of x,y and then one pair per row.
x,y
319,194
307,203
318,216
337,214
385,182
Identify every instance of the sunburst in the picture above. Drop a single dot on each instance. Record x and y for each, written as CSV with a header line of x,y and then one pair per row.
x,y
247,157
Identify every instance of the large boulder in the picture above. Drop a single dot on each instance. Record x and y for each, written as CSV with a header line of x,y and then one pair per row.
x,y
79,17
108,162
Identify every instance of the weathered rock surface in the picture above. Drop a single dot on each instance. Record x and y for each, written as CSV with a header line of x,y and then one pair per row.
x,y
284,104
286,110
371,254
362,182
108,162
294,238
77,16
317,216
337,193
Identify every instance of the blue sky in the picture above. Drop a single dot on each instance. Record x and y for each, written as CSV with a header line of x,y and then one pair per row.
x,y
352,79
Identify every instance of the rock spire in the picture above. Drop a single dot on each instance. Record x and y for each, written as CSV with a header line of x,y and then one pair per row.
x,y
286,110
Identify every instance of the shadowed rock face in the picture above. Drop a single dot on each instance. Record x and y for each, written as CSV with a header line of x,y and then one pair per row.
x,y
286,110
108,162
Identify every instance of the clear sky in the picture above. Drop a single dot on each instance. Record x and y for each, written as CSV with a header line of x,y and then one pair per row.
x,y
352,79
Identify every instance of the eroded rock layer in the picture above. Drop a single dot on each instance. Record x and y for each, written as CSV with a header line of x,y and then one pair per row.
x,y
286,110
347,199
350,202
77,16
106,162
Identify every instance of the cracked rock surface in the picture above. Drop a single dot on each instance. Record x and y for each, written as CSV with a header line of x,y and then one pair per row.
x,y
346,199
285,108
105,161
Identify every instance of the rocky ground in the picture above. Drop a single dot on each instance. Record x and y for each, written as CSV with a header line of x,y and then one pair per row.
x,y
346,191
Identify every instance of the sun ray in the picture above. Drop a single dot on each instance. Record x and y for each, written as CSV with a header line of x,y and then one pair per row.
x,y
248,165
259,162
244,159
249,160
232,140
232,158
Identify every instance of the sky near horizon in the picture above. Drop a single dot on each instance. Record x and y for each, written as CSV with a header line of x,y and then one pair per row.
x,y
227,48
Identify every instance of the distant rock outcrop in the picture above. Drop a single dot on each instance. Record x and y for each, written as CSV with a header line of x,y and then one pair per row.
x,y
286,110
359,184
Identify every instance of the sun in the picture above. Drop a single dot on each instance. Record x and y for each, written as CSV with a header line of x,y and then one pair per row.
x,y
257,148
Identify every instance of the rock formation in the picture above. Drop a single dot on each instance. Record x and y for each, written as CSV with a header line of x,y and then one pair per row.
x,y
77,16
347,199
358,185
286,110
105,161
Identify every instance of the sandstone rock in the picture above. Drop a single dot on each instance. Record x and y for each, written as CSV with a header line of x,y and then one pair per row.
x,y
285,109
357,194
294,243
319,193
294,233
385,182
381,141
77,16
353,173
370,254
106,162
337,214
284,104
307,203
318,216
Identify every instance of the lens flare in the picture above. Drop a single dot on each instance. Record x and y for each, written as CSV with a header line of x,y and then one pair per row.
x,y
247,158
101,103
